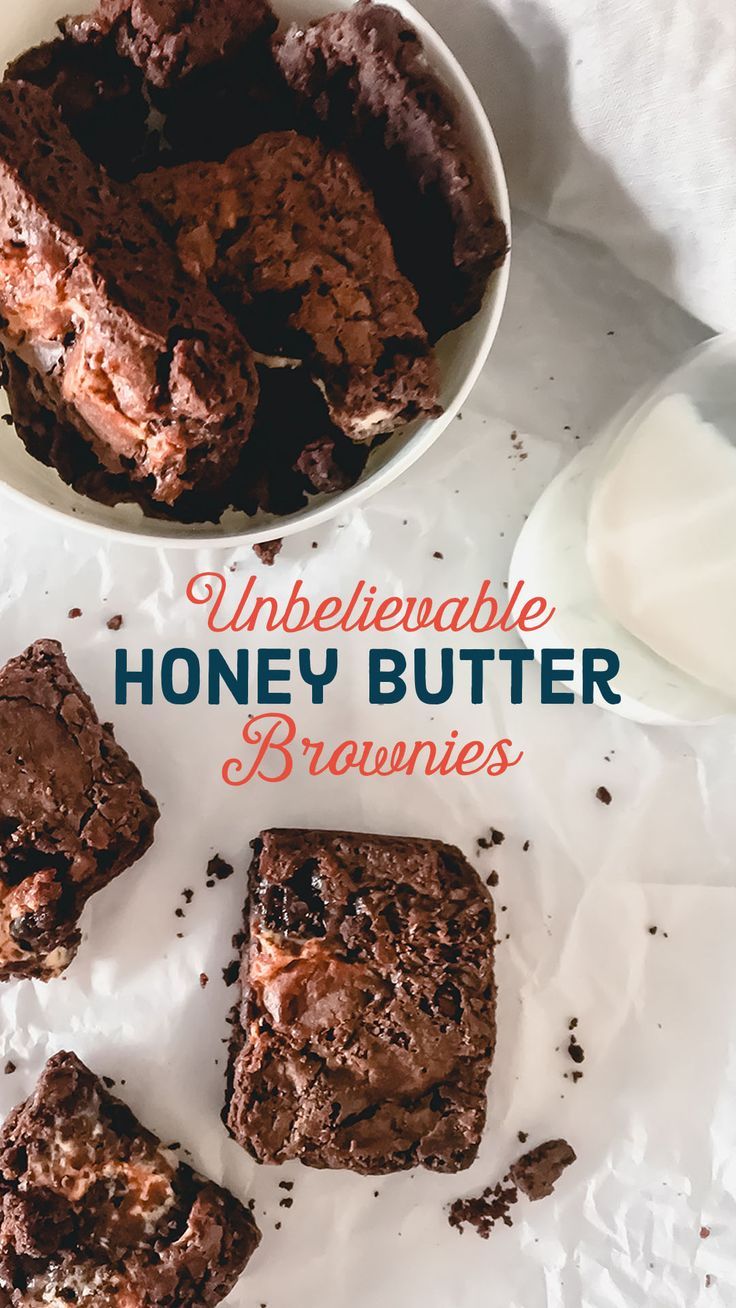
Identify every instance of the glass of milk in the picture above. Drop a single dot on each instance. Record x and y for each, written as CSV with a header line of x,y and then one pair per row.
x,y
634,543
661,541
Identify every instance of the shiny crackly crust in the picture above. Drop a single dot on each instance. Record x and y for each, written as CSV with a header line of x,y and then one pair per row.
x,y
367,1023
93,1210
73,811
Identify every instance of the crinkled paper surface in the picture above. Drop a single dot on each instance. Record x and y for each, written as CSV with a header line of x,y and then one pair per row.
x,y
653,1117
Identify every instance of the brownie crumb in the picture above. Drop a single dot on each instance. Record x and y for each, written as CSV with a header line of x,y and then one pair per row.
x,y
537,1172
572,1024
115,623
576,1051
267,551
75,613
492,879
708,1281
286,1202
483,1211
438,555
522,1136
526,846
108,1081
231,972
188,895
286,1185
179,912
218,869
203,979
604,795
704,1232
652,930
10,1067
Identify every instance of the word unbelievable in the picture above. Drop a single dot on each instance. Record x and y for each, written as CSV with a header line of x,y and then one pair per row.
x,y
364,610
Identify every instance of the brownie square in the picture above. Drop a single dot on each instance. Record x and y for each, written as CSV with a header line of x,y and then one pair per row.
x,y
314,279
366,1027
73,811
364,77
94,1211
160,381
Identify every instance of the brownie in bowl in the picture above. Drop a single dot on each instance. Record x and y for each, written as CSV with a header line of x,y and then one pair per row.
x,y
312,200
74,813
366,1026
160,382
289,239
94,1211
363,75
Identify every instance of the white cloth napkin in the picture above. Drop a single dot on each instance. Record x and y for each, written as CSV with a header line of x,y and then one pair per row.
x,y
617,120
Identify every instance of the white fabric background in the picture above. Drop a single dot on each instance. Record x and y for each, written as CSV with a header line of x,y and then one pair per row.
x,y
617,119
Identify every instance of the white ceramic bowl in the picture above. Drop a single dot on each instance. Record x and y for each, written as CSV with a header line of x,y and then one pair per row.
x,y
461,354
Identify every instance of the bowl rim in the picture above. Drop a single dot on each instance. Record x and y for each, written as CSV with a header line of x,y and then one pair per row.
x,y
316,515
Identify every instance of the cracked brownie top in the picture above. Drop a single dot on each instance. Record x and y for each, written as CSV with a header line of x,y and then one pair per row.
x,y
73,811
289,238
364,76
367,1023
93,1210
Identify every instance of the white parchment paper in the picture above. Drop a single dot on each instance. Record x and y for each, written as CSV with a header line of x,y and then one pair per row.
x,y
653,1118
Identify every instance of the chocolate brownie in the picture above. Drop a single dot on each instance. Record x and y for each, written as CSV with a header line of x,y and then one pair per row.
x,y
96,304
99,95
364,75
73,811
170,39
93,1210
312,277
367,1022
294,450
